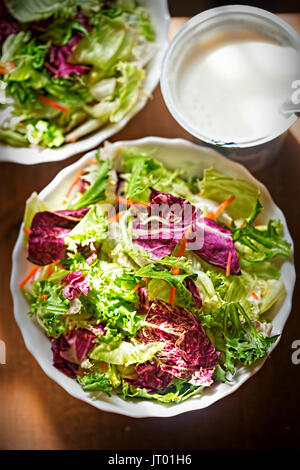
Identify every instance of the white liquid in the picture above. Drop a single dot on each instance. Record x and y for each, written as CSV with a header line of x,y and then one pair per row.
x,y
230,87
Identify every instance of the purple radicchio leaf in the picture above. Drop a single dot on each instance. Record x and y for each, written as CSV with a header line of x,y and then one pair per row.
x,y
172,218
75,284
47,232
69,350
191,286
217,244
150,376
58,63
207,238
7,24
144,301
189,354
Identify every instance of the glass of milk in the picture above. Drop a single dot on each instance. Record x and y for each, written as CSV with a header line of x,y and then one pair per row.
x,y
226,75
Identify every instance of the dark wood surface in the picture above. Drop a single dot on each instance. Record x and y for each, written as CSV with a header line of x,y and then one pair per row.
x,y
35,413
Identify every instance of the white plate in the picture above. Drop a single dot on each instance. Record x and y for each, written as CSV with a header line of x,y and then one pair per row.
x,y
31,155
174,153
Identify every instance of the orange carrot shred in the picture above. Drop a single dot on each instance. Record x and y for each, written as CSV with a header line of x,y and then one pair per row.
x,y
44,296
26,231
74,183
214,214
136,287
254,295
53,104
29,276
50,271
228,267
129,202
104,365
116,217
172,295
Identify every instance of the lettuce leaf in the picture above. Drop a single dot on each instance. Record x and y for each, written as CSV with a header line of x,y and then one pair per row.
x,y
93,382
33,205
49,306
128,89
177,393
142,172
183,296
97,190
104,46
261,244
219,187
125,353
36,10
91,229
236,336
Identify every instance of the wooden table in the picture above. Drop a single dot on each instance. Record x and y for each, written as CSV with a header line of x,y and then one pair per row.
x,y
35,413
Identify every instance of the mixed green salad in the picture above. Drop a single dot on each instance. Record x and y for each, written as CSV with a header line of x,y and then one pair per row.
x,y
68,68
151,284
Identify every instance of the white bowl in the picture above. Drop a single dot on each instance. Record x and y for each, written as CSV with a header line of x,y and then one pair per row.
x,y
31,155
172,152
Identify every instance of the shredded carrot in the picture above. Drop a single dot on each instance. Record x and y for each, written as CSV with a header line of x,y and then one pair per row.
x,y
104,365
184,243
254,295
214,214
73,184
73,140
129,202
228,267
172,295
50,271
136,287
145,279
26,231
44,296
115,218
54,104
3,70
29,276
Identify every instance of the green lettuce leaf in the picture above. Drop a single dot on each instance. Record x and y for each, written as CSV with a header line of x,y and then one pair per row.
x,y
219,187
33,205
128,89
125,353
104,46
143,172
44,133
235,336
184,297
93,382
97,190
178,392
261,243
254,294
92,228
50,307
35,10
